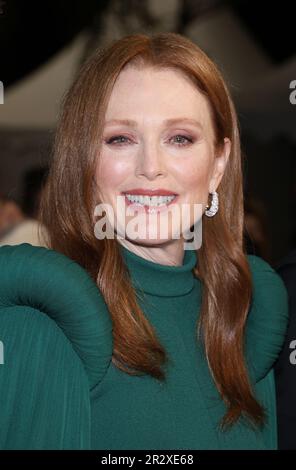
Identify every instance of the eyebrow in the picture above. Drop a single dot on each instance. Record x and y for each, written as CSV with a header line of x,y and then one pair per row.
x,y
129,122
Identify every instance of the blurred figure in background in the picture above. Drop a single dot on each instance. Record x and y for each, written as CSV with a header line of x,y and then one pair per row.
x,y
256,231
257,243
285,367
18,222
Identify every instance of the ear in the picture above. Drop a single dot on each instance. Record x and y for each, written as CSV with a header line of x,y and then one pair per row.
x,y
219,165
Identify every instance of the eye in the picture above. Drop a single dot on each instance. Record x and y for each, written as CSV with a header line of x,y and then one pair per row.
x,y
117,140
183,140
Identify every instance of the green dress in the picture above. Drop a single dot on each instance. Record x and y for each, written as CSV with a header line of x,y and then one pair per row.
x,y
60,390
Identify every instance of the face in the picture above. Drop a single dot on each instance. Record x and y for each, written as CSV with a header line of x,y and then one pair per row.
x,y
163,138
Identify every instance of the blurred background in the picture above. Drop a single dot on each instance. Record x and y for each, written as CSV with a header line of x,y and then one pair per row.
x,y
42,44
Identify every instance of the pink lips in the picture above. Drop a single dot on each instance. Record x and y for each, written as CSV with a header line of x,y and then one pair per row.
x,y
149,192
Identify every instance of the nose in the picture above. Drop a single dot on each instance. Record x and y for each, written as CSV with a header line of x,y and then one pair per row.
x,y
150,162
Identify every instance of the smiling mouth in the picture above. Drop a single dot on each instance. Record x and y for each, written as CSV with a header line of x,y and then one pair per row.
x,y
150,203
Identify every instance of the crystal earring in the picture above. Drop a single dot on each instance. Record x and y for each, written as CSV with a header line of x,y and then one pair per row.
x,y
211,211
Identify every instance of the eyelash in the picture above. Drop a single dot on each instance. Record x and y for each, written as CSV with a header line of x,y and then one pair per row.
x,y
189,140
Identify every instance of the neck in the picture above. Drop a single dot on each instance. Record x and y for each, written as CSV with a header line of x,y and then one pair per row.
x,y
158,279
170,253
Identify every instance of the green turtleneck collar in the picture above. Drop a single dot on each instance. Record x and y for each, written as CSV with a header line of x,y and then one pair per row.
x,y
158,279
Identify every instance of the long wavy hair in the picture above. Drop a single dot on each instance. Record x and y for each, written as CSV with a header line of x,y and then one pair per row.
x,y
69,198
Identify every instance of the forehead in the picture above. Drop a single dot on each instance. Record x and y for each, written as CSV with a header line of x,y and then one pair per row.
x,y
157,94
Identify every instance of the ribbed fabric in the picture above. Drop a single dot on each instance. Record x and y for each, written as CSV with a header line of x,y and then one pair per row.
x,y
60,390
57,337
131,412
158,279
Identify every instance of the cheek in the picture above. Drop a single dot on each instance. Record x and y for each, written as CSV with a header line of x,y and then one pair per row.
x,y
110,173
193,176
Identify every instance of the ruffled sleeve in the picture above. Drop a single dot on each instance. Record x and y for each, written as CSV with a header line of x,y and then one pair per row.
x,y
267,319
56,334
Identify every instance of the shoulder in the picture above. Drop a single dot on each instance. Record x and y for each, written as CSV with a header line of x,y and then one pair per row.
x,y
267,283
268,317
26,231
56,338
259,265
65,300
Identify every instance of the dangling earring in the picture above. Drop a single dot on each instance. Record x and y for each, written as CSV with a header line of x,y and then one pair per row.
x,y
211,211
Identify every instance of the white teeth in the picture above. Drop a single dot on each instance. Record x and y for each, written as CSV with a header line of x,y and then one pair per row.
x,y
150,201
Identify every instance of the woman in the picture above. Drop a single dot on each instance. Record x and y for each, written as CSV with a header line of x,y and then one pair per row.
x,y
187,362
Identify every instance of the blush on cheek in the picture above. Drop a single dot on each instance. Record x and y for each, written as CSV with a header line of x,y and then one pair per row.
x,y
112,174
196,187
